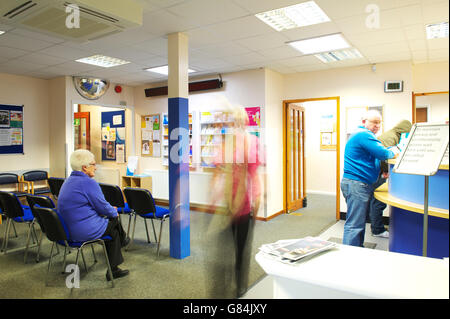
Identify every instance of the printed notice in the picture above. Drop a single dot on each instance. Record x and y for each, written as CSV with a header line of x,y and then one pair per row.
x,y
424,150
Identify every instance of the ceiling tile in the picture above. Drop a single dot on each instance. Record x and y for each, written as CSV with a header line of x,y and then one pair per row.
x,y
282,52
42,59
435,12
64,51
10,53
240,28
216,11
262,42
24,43
224,49
245,59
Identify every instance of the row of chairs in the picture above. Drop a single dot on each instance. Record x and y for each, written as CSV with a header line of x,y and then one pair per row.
x,y
43,210
32,182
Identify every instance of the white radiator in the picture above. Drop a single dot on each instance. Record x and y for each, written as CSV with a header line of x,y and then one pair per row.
x,y
107,175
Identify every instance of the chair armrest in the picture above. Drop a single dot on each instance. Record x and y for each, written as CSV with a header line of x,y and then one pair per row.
x,y
30,186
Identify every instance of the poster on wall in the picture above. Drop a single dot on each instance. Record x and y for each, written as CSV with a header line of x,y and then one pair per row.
x,y
254,116
11,129
113,136
151,135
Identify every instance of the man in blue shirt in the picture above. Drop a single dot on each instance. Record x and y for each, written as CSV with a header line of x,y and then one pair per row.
x,y
86,213
362,156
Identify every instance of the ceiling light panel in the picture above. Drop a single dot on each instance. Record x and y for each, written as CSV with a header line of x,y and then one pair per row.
x,y
164,70
437,30
335,56
298,15
102,60
332,42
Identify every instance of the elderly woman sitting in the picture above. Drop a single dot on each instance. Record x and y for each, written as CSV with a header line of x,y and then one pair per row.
x,y
83,208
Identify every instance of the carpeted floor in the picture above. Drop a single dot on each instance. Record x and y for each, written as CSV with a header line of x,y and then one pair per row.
x,y
152,276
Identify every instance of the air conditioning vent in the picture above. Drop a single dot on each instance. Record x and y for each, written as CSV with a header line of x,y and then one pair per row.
x,y
94,14
19,9
97,18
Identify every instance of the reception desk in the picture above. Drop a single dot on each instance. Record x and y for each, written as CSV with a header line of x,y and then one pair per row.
x,y
355,272
404,194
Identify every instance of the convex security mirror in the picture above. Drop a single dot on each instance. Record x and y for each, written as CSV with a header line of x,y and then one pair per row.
x,y
90,88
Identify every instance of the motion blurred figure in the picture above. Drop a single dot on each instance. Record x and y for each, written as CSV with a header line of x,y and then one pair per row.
x,y
236,187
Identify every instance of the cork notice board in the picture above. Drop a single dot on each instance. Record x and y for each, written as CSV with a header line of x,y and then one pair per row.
x,y
151,135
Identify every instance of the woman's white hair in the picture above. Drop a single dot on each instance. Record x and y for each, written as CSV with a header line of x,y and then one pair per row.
x,y
81,158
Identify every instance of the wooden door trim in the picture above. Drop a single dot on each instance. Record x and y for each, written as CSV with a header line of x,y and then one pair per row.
x,y
338,129
87,116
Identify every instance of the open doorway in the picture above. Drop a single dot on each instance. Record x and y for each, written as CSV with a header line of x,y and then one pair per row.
x,y
108,132
311,153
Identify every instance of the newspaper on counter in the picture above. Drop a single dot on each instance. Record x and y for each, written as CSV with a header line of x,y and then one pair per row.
x,y
292,250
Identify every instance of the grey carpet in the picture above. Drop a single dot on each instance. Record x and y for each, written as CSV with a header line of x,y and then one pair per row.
x,y
365,244
152,276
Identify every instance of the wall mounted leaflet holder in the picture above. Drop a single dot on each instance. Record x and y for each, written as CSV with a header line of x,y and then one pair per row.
x,y
422,155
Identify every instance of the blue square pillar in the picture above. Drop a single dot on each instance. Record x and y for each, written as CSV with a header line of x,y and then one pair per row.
x,y
178,111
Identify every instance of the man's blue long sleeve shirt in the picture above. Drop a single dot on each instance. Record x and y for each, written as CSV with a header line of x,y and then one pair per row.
x,y
362,156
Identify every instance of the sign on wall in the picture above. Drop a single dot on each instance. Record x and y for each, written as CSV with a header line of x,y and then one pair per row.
x,y
113,136
11,129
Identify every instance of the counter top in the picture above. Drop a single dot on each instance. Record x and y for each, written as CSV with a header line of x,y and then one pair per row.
x,y
363,272
394,161
382,194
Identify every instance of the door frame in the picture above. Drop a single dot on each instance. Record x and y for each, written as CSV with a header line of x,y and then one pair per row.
x,y
87,116
338,190
414,95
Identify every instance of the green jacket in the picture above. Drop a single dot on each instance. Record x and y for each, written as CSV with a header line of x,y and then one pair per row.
x,y
392,138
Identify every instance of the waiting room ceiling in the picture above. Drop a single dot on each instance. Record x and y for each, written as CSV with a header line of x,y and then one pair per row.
x,y
225,36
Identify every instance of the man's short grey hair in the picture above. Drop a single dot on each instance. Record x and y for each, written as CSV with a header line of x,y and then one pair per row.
x,y
81,158
371,114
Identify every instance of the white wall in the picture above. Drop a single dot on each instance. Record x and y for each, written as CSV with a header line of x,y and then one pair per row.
x,y
356,86
34,95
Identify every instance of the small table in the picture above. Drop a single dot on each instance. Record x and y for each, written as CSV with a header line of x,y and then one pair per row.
x,y
137,181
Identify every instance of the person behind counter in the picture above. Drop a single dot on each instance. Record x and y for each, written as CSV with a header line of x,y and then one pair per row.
x,y
362,156
87,214
388,139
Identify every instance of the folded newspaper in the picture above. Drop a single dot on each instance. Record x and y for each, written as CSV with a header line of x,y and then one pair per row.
x,y
292,250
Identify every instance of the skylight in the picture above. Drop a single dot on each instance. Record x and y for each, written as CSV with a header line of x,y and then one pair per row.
x,y
102,60
164,70
298,15
325,43
437,30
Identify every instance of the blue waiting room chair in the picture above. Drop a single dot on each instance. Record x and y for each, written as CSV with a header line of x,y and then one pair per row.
x,y
56,231
42,201
142,203
13,209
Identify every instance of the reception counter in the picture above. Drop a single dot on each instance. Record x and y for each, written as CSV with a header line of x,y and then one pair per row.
x,y
404,193
356,272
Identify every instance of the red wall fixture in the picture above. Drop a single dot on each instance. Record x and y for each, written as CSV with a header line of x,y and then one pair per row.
x,y
118,88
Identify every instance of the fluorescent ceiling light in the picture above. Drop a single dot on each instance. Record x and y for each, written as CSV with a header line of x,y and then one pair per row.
x,y
164,70
335,56
326,43
298,15
1,32
102,60
437,30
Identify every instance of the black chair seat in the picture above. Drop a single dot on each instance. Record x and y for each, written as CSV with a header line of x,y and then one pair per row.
x,y
43,190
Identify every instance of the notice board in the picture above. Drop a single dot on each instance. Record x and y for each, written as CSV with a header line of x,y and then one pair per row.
x,y
424,151
151,135
113,136
11,129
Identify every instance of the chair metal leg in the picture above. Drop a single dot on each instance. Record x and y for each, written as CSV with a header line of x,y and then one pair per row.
x,y
146,230
132,235
5,241
82,256
15,231
129,223
30,225
93,253
49,264
39,246
107,263
159,240
64,259
154,232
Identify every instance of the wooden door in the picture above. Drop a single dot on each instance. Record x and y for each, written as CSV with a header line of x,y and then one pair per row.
x,y
295,157
82,129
